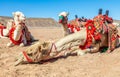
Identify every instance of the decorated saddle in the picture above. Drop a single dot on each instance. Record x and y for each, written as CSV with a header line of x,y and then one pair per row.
x,y
91,34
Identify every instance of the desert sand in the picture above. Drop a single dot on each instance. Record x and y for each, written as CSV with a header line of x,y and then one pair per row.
x,y
89,65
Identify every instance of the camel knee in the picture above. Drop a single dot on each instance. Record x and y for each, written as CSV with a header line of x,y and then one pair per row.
x,y
10,44
94,50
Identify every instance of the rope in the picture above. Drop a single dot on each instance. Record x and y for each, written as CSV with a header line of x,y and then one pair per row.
x,y
27,57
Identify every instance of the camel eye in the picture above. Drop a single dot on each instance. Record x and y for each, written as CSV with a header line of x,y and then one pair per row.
x,y
18,15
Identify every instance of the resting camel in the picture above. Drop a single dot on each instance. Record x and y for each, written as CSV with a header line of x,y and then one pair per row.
x,y
81,42
73,26
19,33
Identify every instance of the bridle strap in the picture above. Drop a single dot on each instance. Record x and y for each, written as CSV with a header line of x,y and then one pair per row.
x,y
27,57
53,45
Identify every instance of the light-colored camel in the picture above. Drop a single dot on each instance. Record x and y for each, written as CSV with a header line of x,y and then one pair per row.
x,y
72,26
63,19
70,44
45,50
19,33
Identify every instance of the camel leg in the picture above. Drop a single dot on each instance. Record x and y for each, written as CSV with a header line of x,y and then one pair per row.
x,y
94,49
20,59
10,44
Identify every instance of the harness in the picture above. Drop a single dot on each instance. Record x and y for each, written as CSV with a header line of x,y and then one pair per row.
x,y
27,57
24,31
73,26
11,34
1,29
46,56
90,28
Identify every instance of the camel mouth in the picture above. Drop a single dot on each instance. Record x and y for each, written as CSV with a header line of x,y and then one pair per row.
x,y
60,21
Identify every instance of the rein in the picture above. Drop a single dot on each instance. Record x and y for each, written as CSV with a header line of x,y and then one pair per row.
x,y
27,57
1,31
53,45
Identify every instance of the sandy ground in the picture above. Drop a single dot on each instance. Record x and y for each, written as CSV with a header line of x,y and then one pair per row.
x,y
89,65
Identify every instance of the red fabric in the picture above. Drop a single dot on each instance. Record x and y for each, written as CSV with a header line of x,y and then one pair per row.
x,y
114,37
77,28
27,57
97,36
90,24
72,28
1,29
11,34
90,33
108,19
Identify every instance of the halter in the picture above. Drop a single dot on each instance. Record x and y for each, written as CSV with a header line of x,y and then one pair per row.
x,y
27,57
53,45
1,31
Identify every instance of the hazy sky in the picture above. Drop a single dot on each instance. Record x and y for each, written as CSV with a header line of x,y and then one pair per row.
x,y
51,8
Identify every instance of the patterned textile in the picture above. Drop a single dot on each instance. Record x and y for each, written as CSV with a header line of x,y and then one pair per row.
x,y
99,23
104,23
90,28
74,26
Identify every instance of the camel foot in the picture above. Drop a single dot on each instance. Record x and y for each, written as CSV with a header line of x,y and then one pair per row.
x,y
10,44
22,45
80,53
3,37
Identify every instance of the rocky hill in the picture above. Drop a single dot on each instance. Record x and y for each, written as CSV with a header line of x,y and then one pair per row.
x,y
34,22
38,22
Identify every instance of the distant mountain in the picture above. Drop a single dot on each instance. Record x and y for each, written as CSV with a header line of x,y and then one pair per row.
x,y
4,19
34,22
38,22
117,21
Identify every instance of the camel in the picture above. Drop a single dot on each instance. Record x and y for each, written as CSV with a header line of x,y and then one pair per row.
x,y
63,20
87,40
73,26
19,33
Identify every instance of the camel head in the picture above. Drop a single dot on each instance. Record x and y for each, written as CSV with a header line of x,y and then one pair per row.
x,y
37,52
63,17
18,17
